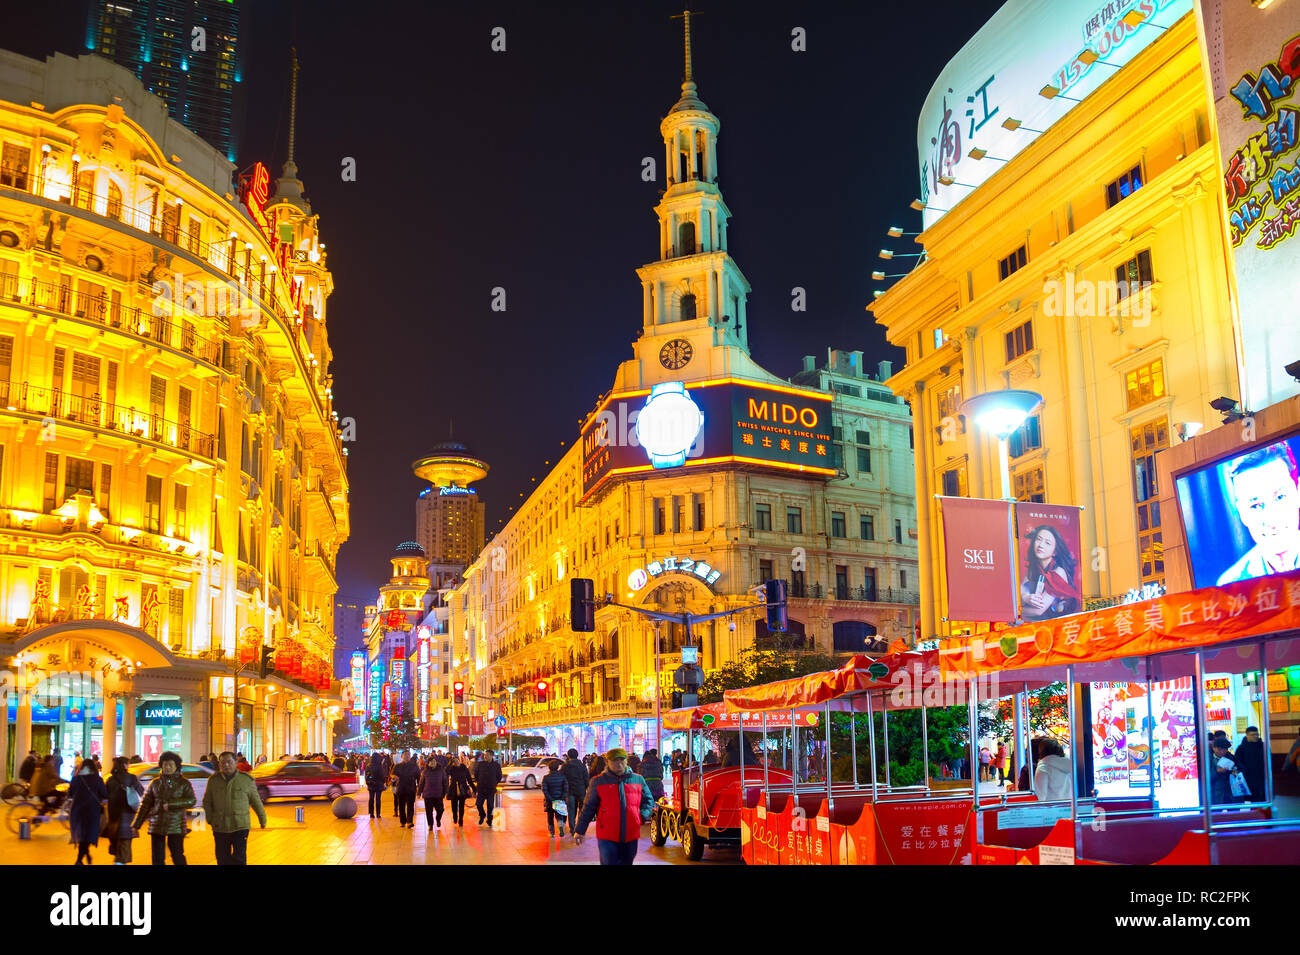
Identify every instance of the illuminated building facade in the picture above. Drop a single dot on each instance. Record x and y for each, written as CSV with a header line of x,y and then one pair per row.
x,y
156,40
1088,265
174,485
448,514
390,625
698,476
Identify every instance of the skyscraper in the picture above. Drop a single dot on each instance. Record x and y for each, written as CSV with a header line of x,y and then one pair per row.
x,y
449,515
187,52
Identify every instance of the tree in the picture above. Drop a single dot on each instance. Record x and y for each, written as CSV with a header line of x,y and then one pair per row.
x,y
755,666
400,732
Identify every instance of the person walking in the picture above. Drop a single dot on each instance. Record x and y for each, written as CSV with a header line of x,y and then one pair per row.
x,y
620,803
634,762
1224,768
1250,758
487,776
555,794
230,794
433,786
88,796
376,782
1000,762
164,805
652,771
406,772
986,761
460,786
597,766
124,794
575,771
241,763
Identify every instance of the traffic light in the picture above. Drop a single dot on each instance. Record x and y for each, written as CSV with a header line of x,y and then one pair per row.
x,y
582,604
776,617
543,689
677,699
458,691
268,661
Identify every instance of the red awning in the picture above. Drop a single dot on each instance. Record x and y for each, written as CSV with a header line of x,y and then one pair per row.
x,y
717,716
860,674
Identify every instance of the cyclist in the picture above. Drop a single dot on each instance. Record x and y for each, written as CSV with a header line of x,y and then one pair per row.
x,y
45,786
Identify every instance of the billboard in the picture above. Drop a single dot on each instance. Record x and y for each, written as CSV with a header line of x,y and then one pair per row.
x,y
1049,560
1242,514
978,559
1024,70
720,421
1253,59
358,682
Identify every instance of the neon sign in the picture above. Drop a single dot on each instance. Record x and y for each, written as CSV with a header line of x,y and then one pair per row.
x,y
376,679
358,682
446,491
680,565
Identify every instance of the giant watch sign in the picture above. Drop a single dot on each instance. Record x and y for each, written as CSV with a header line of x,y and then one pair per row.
x,y
721,421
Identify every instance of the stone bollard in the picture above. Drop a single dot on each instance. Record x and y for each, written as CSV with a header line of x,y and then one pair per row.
x,y
25,829
298,814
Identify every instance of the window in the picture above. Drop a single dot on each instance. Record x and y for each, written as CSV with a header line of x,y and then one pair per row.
x,y
902,579
837,433
1019,341
841,582
1145,384
794,520
1133,275
1012,263
939,338
1026,438
658,517
898,531
864,460
1124,186
51,481
837,524
176,616
78,477
867,525
798,586
762,517
153,505
179,526
764,570
679,516
1028,485
864,437
699,515
869,582
951,482
837,456
1145,441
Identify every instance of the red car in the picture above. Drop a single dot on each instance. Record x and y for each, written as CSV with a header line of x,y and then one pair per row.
x,y
302,779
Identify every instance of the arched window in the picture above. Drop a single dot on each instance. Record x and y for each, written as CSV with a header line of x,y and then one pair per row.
x,y
114,200
686,238
688,306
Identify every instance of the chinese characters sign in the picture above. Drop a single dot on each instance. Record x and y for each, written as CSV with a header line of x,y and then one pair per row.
x,y
993,96
1253,58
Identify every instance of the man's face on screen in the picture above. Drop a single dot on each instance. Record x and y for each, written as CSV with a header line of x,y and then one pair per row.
x,y
1268,503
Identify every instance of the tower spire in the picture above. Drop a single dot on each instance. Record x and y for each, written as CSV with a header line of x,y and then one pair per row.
x,y
293,97
689,99
288,187
686,15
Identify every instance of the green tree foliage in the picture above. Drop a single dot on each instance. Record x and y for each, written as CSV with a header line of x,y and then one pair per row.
x,y
398,735
755,666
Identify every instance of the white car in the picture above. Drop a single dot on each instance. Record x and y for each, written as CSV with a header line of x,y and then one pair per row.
x,y
527,771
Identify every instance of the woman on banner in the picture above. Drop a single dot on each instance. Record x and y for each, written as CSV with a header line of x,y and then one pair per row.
x,y
1048,588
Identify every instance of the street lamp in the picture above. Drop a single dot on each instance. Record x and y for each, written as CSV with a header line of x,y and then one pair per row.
x,y
1001,413
510,720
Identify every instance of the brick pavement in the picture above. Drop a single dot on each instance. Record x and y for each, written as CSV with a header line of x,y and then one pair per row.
x,y
518,837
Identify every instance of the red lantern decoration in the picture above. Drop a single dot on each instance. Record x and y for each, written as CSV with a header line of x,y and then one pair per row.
x,y
294,668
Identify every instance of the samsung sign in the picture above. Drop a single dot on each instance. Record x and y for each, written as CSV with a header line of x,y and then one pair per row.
x,y
1018,75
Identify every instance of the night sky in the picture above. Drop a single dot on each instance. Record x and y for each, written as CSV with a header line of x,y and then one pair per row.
x,y
522,170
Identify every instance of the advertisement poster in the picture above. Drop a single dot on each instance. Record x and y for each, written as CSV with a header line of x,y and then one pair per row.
x,y
1110,739
980,578
1049,560
1242,514
1252,53
1137,727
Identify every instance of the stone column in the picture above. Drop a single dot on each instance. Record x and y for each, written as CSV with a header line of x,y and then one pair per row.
x,y
711,152
129,703
690,153
188,703
5,773
925,559
108,746
23,729
647,303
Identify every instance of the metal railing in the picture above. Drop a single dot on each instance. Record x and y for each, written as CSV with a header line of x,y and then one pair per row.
x,y
887,595
93,412
100,308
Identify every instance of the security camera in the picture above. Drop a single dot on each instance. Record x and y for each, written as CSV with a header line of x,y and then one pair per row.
x,y
1224,405
1293,370
732,626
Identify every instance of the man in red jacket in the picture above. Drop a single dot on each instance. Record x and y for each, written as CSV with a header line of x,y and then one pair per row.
x,y
620,802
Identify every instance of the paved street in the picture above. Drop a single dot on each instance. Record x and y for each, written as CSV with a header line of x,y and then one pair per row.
x,y
518,837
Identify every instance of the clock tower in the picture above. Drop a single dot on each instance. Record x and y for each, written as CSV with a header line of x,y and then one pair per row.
x,y
694,295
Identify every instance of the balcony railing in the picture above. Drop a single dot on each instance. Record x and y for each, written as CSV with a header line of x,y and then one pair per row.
x,y
99,307
886,595
95,413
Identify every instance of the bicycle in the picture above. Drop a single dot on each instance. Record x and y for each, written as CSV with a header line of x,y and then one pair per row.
x,y
15,792
36,814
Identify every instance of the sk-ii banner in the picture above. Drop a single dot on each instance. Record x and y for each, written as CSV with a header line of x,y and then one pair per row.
x,y
978,559
1049,560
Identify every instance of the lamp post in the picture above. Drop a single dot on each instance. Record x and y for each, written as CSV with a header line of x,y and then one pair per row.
x,y
1001,413
510,720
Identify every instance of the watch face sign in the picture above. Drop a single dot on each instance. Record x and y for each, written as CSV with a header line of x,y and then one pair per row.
x,y
718,422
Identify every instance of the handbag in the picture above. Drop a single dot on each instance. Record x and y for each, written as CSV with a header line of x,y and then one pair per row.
x,y
1237,783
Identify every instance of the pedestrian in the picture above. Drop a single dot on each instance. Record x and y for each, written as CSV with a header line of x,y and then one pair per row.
x,y
226,802
555,796
433,786
241,763
164,805
620,802
597,766
460,786
85,815
340,764
986,762
1000,763
376,783
1225,766
45,785
1250,757
652,771
406,772
634,762
124,794
261,759
487,776
1054,774
575,771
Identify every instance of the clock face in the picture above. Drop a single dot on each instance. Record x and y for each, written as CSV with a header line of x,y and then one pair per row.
x,y
676,354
